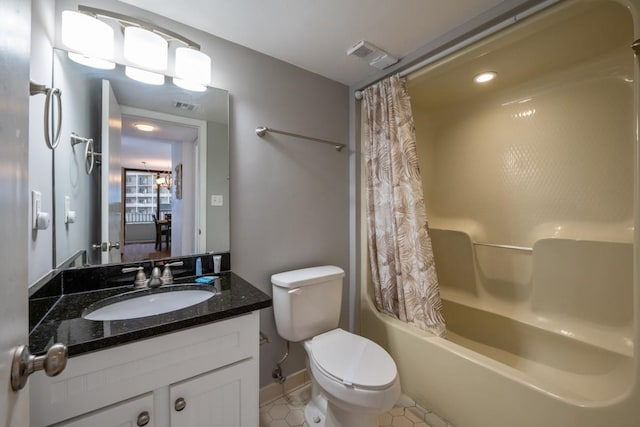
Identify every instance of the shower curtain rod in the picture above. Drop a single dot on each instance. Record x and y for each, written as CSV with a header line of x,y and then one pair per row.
x,y
262,131
403,72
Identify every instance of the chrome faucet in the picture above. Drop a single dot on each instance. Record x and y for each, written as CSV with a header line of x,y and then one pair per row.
x,y
155,280
141,280
167,276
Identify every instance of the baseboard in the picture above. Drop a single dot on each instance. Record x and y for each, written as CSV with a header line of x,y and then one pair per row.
x,y
275,391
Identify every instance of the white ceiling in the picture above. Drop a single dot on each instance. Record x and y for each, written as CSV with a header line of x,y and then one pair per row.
x,y
153,148
315,34
156,154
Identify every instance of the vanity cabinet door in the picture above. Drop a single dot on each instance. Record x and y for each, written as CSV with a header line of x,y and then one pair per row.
x,y
227,397
134,412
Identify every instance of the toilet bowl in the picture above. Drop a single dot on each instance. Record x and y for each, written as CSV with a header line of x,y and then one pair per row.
x,y
353,379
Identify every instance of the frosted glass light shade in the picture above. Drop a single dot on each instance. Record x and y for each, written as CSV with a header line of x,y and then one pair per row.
x,y
144,76
87,35
188,85
193,66
145,48
91,61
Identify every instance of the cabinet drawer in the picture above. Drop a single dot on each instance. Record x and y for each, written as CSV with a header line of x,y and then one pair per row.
x,y
129,413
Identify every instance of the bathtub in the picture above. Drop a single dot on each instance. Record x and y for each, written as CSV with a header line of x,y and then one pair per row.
x,y
531,190
510,359
476,383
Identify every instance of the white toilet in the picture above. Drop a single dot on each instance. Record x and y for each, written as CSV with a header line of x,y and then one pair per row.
x,y
353,379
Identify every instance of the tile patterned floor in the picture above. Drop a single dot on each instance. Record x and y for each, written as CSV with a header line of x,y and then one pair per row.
x,y
288,411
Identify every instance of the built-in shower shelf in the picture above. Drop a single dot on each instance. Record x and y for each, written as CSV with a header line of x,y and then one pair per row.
x,y
616,340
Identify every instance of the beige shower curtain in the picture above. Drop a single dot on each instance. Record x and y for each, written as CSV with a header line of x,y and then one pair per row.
x,y
400,253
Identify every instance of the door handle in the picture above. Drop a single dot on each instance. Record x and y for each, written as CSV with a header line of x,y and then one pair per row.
x,y
106,246
25,364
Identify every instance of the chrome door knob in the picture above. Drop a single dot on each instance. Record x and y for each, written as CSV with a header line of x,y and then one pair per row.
x,y
115,245
25,364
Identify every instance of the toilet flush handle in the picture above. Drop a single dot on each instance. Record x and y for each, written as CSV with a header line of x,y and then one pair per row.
x,y
295,291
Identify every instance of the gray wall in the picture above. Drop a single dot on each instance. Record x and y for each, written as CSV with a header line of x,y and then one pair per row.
x,y
218,184
40,253
183,210
288,198
140,232
81,115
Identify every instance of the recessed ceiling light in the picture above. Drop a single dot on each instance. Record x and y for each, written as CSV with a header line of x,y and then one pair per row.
x,y
485,77
144,127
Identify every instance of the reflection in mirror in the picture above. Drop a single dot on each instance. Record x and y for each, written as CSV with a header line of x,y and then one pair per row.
x,y
160,153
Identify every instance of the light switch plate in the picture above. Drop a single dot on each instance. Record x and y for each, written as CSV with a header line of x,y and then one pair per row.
x,y
67,208
216,200
36,207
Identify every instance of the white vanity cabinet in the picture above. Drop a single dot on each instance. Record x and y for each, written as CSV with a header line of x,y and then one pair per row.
x,y
202,376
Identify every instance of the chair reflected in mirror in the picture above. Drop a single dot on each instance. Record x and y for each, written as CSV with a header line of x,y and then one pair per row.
x,y
163,228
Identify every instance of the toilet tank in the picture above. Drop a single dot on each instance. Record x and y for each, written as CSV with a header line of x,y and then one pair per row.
x,y
307,302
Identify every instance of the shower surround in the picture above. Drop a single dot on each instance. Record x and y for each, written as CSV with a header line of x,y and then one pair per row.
x,y
531,186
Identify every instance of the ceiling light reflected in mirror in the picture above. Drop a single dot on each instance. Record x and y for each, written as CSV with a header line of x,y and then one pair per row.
x,y
144,127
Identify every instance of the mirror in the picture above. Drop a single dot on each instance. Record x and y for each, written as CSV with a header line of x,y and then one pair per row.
x,y
172,172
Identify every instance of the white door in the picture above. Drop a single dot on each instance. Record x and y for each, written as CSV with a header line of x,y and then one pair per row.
x,y
111,177
15,27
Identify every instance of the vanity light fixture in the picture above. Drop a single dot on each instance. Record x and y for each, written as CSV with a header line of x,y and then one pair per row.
x,y
193,69
143,76
145,50
90,40
485,77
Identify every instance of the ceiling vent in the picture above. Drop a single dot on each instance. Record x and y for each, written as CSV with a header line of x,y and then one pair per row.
x,y
184,106
361,49
376,57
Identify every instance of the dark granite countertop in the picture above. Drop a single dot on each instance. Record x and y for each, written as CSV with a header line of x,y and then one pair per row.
x,y
63,321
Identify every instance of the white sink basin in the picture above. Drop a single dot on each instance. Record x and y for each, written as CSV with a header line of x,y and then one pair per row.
x,y
149,304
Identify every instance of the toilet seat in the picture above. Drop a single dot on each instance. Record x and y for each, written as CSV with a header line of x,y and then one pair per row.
x,y
353,360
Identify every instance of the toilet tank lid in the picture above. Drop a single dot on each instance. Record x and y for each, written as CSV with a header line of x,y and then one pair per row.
x,y
307,276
